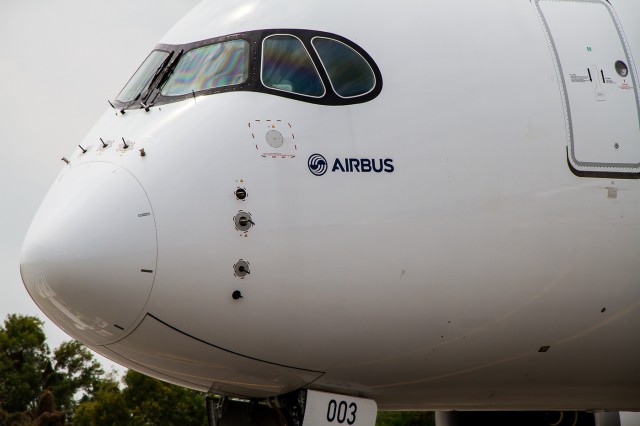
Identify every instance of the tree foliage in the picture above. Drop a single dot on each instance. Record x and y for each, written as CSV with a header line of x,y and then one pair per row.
x,y
406,418
24,361
75,370
106,406
143,401
34,383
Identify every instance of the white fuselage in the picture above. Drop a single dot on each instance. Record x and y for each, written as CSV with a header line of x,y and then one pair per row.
x,y
434,285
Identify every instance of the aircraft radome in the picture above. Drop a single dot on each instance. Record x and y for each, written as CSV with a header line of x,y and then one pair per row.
x,y
339,207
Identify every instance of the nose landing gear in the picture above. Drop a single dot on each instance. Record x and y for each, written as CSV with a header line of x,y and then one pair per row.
x,y
299,408
284,410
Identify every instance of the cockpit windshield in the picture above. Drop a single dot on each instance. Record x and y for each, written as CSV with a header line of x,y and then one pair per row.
x,y
303,65
208,67
141,79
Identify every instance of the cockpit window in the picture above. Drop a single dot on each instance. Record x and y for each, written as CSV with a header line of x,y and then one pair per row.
x,y
350,74
298,64
141,79
287,66
208,67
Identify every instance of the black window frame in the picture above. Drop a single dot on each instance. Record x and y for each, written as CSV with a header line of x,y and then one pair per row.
x,y
254,80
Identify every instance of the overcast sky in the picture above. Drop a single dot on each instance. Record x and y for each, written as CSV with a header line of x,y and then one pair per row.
x,y
60,62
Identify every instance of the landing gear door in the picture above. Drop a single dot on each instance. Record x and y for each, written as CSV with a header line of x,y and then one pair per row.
x,y
599,86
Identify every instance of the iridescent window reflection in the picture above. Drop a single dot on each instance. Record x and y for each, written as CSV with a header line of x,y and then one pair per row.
x,y
142,77
287,66
350,74
208,67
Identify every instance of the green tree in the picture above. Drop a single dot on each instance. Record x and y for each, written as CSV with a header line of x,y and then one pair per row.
x,y
144,401
33,382
152,402
47,415
405,418
75,369
106,406
24,361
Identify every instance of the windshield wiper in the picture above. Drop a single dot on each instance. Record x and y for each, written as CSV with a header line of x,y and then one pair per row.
x,y
148,85
145,93
159,80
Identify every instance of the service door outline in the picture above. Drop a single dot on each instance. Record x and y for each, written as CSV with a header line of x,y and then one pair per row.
x,y
599,86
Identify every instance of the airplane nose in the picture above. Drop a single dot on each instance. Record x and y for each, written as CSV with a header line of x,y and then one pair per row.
x,y
89,257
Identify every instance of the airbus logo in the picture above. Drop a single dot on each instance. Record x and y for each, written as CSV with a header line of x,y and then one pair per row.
x,y
318,165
